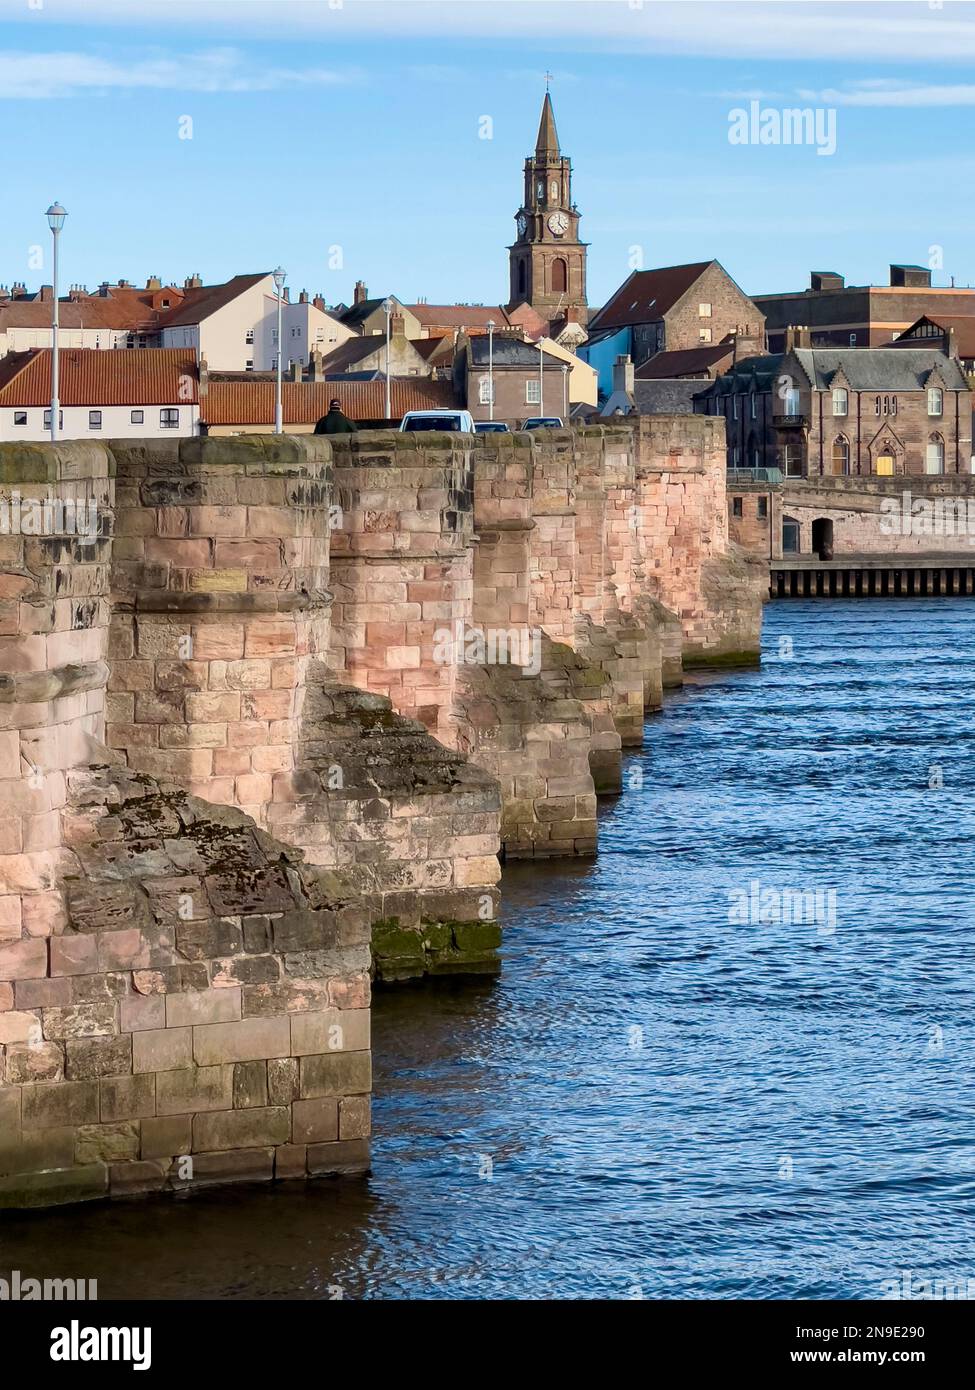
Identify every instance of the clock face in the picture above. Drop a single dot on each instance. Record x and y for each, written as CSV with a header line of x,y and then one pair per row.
x,y
522,224
558,223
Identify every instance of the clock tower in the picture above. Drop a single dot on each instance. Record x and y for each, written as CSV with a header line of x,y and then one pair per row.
x,y
547,259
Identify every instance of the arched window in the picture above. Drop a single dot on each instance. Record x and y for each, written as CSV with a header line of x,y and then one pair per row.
x,y
934,459
841,456
560,276
522,278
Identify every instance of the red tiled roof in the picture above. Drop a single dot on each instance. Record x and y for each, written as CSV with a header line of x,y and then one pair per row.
x,y
683,361
137,376
93,311
648,295
303,403
458,315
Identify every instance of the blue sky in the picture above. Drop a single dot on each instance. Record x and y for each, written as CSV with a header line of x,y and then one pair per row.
x,y
354,124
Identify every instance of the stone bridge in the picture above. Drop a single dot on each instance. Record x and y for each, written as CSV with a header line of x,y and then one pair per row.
x,y
266,731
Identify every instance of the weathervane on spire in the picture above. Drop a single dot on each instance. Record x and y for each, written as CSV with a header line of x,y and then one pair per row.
x,y
548,79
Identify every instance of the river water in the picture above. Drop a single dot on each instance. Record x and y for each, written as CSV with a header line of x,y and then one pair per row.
x,y
688,1081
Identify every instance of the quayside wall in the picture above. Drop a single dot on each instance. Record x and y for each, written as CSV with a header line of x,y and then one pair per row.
x,y
267,727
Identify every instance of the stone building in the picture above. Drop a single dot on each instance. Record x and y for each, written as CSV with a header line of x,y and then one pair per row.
x,y
841,315
672,309
547,259
814,412
528,380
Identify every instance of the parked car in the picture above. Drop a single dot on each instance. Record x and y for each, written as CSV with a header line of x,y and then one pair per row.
x,y
544,422
454,421
491,427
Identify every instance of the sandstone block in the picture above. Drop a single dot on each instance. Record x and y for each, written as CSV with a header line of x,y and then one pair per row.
x,y
107,1143
19,1026
203,1006
250,1085
241,1129
91,1058
336,1074
282,1080
354,1117
51,1104
253,1039
195,1089
345,1156
23,960
166,1137
334,1030
162,1049
315,1121
127,1097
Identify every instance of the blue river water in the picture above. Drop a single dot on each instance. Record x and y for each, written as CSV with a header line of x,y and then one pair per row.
x,y
732,1057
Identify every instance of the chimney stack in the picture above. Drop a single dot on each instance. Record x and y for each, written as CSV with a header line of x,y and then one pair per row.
x,y
316,365
154,283
319,303
303,297
192,282
361,293
624,374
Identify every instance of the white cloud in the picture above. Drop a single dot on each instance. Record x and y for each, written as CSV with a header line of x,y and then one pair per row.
x,y
34,76
838,30
881,92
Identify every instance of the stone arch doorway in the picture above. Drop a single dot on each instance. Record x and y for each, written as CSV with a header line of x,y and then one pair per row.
x,y
822,537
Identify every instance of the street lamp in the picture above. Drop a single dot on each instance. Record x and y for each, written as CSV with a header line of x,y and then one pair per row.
x,y
565,392
388,311
491,325
279,278
541,380
55,220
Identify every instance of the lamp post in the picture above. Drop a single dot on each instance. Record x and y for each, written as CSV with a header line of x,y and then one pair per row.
x,y
388,311
541,380
565,392
490,328
279,278
55,220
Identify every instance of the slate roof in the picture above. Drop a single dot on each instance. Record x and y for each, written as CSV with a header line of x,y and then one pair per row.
x,y
866,369
198,304
661,397
509,352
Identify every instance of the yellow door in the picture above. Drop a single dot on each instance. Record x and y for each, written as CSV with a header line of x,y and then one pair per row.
x,y
885,465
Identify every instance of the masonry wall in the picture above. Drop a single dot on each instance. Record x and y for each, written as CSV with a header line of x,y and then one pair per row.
x,y
182,1001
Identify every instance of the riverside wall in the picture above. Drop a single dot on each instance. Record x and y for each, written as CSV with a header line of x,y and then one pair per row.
x,y
265,736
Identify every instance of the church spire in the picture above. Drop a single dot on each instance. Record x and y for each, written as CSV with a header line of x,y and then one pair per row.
x,y
547,144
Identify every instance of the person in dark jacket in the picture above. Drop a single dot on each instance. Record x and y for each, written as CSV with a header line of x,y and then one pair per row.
x,y
335,422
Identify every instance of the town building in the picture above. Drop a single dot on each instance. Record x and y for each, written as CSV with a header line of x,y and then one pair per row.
x,y
671,309
527,379
841,315
233,325
832,412
547,260
954,335
144,393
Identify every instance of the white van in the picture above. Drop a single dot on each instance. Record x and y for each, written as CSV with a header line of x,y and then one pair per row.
x,y
454,421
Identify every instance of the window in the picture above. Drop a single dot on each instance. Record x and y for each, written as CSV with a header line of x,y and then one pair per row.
x,y
249,336
20,417
935,400
762,508
94,419
486,391
704,311
734,407
533,392
853,340
136,417
560,276
840,401
249,365
790,536
754,406
876,405
792,461
790,400
554,191
893,405
704,335
168,419
934,459
47,419
737,506
165,304
841,456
